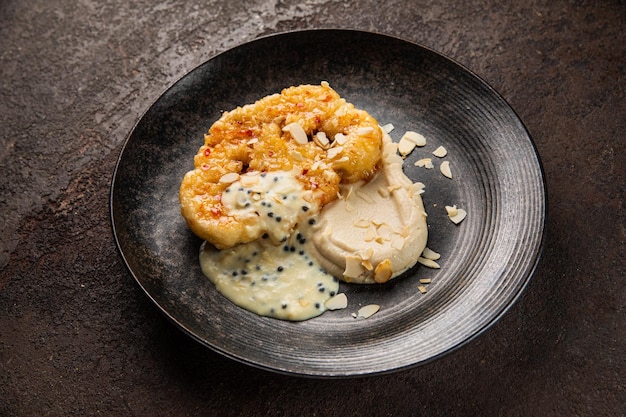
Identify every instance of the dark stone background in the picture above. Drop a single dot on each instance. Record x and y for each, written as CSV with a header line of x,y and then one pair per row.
x,y
78,337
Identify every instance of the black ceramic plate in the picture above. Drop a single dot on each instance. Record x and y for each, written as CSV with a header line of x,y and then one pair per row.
x,y
486,260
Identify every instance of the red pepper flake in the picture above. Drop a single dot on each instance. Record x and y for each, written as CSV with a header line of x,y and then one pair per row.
x,y
300,105
205,167
271,153
207,152
304,171
318,120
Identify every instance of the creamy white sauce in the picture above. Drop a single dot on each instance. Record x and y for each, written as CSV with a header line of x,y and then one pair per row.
x,y
275,201
272,276
280,281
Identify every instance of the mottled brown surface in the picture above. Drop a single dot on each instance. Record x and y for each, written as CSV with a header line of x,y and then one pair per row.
x,y
78,337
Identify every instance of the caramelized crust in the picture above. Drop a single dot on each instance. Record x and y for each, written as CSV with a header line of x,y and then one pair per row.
x,y
258,137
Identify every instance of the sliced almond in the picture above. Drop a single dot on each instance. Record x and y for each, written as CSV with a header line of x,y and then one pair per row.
x,y
367,264
337,302
362,131
229,178
430,254
333,152
440,152
321,140
405,147
296,156
249,180
422,289
368,311
297,133
415,137
340,139
445,169
424,163
459,216
383,271
397,242
353,267
371,234
428,263
387,128
384,231
452,210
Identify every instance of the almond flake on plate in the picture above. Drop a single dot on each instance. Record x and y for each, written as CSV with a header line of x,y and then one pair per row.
x,y
445,169
387,128
409,141
440,152
337,302
430,254
425,163
428,263
368,311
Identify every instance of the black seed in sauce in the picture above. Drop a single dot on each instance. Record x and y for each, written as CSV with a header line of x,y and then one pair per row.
x,y
270,214
311,221
332,293
284,306
265,236
280,269
305,208
278,218
317,305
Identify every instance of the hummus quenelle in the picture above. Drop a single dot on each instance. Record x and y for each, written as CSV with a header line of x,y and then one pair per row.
x,y
377,230
296,192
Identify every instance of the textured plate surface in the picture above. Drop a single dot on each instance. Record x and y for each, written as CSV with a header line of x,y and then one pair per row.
x,y
486,260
